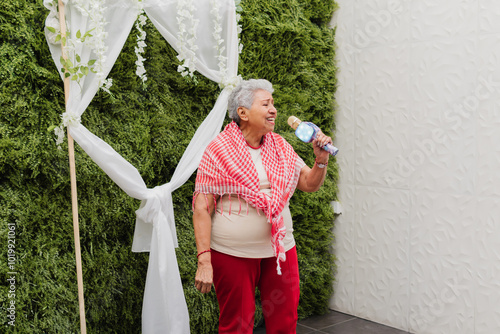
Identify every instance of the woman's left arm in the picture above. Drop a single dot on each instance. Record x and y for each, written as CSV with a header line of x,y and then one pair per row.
x,y
311,179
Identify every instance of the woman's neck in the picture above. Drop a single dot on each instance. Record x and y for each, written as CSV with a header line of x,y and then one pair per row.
x,y
253,139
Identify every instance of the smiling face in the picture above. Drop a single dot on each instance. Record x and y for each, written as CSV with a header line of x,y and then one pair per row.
x,y
260,118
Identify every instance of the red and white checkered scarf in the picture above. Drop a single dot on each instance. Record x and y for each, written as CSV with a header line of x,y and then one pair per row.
x,y
227,168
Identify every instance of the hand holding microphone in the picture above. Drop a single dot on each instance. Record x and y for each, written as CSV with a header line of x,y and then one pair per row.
x,y
307,132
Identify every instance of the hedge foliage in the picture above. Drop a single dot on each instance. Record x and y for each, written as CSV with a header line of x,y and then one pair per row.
x,y
285,41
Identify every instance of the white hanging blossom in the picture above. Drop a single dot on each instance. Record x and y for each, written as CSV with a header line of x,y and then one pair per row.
x,y
67,119
226,82
96,42
107,85
59,132
219,41
186,39
141,44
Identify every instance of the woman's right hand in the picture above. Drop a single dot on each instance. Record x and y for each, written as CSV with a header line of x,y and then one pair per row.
x,y
204,274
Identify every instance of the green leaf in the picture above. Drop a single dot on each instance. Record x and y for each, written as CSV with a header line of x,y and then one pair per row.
x,y
51,29
92,62
85,70
78,34
51,128
67,74
88,32
78,59
74,77
58,38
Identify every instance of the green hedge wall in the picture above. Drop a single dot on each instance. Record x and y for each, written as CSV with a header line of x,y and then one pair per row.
x,y
285,41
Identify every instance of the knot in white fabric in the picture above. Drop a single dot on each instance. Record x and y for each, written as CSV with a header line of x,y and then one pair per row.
x,y
152,207
231,83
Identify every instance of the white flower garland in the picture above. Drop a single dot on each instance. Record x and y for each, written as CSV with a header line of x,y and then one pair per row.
x,y
186,41
94,39
230,82
94,9
219,41
141,44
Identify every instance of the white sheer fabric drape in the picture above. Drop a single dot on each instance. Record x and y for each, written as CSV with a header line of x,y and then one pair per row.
x,y
164,306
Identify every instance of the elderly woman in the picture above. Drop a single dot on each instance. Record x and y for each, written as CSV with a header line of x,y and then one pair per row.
x,y
242,221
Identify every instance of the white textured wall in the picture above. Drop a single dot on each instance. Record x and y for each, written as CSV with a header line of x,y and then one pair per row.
x,y
418,127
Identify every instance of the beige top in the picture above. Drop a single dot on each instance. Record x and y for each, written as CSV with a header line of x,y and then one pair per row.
x,y
238,234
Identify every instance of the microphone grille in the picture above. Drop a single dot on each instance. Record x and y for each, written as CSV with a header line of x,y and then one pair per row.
x,y
293,122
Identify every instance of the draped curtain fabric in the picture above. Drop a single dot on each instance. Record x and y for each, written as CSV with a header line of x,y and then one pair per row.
x,y
164,306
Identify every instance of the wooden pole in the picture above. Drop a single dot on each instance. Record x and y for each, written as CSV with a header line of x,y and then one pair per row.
x,y
74,198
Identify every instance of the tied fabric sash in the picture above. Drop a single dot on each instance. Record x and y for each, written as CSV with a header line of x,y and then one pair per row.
x,y
227,168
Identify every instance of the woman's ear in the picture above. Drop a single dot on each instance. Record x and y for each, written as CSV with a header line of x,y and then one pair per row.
x,y
243,113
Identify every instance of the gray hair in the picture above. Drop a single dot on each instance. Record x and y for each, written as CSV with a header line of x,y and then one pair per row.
x,y
243,96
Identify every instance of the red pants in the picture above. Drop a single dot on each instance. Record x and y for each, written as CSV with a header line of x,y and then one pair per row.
x,y
235,280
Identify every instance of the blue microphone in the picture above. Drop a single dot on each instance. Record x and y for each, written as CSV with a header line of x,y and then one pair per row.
x,y
307,132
